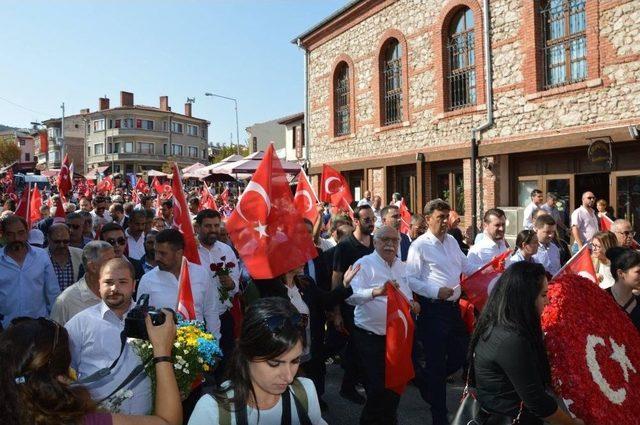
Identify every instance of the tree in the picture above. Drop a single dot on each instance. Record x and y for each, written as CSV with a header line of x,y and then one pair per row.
x,y
9,150
226,151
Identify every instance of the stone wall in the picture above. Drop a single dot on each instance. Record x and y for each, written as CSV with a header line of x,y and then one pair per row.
x,y
610,93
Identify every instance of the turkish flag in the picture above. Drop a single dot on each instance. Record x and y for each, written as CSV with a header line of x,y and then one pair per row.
x,y
206,200
36,203
186,306
266,228
24,205
64,177
580,264
181,218
156,185
479,284
305,199
60,216
105,185
405,217
398,370
335,188
225,196
605,226
8,182
142,186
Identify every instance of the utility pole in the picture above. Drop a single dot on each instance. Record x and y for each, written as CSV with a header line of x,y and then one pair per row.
x,y
62,136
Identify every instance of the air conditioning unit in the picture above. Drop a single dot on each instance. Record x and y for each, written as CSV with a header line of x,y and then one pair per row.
x,y
513,226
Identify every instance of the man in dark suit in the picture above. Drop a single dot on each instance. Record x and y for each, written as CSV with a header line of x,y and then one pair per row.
x,y
117,214
390,216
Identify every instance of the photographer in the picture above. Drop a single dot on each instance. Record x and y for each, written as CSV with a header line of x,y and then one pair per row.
x,y
35,382
95,341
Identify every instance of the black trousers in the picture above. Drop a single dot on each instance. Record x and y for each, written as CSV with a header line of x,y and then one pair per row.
x,y
350,360
382,404
444,340
227,344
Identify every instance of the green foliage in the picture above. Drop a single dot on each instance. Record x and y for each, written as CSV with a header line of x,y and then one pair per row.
x,y
9,151
228,151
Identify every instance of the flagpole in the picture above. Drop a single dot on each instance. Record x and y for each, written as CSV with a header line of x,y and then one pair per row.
x,y
587,245
308,181
481,269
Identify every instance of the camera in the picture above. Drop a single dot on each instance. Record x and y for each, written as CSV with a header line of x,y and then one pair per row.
x,y
134,324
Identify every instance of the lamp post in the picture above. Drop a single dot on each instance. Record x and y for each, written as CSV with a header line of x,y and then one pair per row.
x,y
235,102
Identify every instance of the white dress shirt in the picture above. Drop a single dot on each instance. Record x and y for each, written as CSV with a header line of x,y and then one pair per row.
x,y
135,247
371,313
214,255
433,265
94,341
528,215
72,301
162,288
483,251
549,257
106,215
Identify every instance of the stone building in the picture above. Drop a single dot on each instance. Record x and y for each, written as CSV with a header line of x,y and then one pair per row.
x,y
395,88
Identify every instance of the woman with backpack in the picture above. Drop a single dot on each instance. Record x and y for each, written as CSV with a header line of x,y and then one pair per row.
x,y
262,387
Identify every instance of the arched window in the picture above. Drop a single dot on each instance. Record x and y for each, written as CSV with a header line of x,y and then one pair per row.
x,y
341,102
462,61
564,41
392,82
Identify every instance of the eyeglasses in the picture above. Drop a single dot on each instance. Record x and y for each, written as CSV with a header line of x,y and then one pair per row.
x,y
277,323
389,240
119,241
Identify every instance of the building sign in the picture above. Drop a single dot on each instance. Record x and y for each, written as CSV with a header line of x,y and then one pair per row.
x,y
600,152
298,141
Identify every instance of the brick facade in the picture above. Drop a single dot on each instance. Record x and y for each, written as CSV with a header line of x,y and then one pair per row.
x,y
526,117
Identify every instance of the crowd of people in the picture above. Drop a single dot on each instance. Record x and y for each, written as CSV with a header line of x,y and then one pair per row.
x,y
68,281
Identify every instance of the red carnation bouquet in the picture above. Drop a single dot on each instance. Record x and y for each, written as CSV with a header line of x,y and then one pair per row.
x,y
223,268
594,352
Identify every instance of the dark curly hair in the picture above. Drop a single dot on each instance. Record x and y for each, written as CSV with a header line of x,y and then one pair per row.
x,y
34,362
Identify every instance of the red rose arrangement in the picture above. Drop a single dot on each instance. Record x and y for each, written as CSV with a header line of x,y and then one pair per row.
x,y
594,352
223,269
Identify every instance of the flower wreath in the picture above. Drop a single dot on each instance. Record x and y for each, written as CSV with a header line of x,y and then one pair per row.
x,y
594,352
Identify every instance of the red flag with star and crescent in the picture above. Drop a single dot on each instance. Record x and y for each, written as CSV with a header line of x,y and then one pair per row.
x,y
398,370
156,185
64,177
580,264
142,186
305,199
186,306
35,204
206,200
224,196
479,284
105,185
24,205
405,217
265,227
181,218
334,188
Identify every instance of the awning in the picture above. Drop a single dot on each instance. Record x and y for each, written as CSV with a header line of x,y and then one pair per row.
x,y
193,167
93,174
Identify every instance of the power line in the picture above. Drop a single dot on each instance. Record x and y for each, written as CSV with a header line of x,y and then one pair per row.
x,y
23,107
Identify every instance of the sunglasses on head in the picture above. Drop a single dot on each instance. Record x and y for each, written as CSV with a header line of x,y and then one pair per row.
x,y
277,323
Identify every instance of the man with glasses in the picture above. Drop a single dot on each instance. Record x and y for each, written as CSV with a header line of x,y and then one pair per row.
x,y
348,251
28,284
370,320
114,235
584,222
624,233
66,260
76,224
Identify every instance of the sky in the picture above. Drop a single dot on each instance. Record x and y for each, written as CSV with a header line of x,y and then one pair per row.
x,y
76,51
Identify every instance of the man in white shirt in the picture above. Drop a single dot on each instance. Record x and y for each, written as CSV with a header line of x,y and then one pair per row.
x,y
548,253
86,291
492,243
435,264
536,203
214,252
161,283
366,200
99,211
95,340
135,234
584,221
370,318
